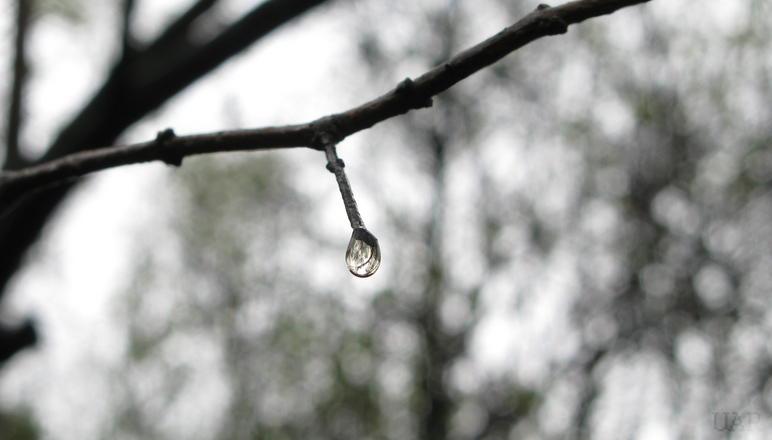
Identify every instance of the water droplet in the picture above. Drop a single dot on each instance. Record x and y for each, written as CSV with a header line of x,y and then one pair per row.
x,y
363,256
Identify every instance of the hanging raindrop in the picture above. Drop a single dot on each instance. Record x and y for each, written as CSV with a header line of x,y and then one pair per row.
x,y
363,256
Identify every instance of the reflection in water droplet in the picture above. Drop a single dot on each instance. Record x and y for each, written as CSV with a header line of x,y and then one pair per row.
x,y
363,256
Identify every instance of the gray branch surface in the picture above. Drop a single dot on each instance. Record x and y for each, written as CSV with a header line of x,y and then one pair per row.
x,y
408,95
335,165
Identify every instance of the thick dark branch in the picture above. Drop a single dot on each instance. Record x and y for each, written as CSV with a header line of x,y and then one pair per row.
x,y
13,159
408,95
152,75
181,26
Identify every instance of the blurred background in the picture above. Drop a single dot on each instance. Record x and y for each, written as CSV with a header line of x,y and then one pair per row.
x,y
577,241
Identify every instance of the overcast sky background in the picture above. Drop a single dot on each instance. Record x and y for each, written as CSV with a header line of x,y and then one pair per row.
x,y
85,259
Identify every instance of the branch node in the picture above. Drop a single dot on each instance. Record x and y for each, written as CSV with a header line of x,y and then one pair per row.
x,y
415,100
322,134
554,25
169,156
337,164
327,134
407,86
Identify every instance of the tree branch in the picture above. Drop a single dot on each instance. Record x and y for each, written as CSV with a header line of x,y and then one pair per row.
x,y
13,159
138,84
408,95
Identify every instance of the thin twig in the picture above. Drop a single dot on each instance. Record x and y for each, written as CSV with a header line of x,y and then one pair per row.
x,y
408,95
335,165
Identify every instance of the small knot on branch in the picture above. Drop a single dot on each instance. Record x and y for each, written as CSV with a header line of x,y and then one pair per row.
x,y
329,133
415,100
449,66
338,163
542,7
554,25
169,156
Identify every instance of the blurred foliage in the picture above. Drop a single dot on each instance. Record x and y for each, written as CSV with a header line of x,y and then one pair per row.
x,y
18,426
72,11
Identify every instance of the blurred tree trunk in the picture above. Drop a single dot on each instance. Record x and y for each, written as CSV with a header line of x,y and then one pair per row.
x,y
13,340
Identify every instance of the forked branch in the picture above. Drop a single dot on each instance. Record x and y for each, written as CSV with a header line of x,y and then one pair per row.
x,y
408,95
